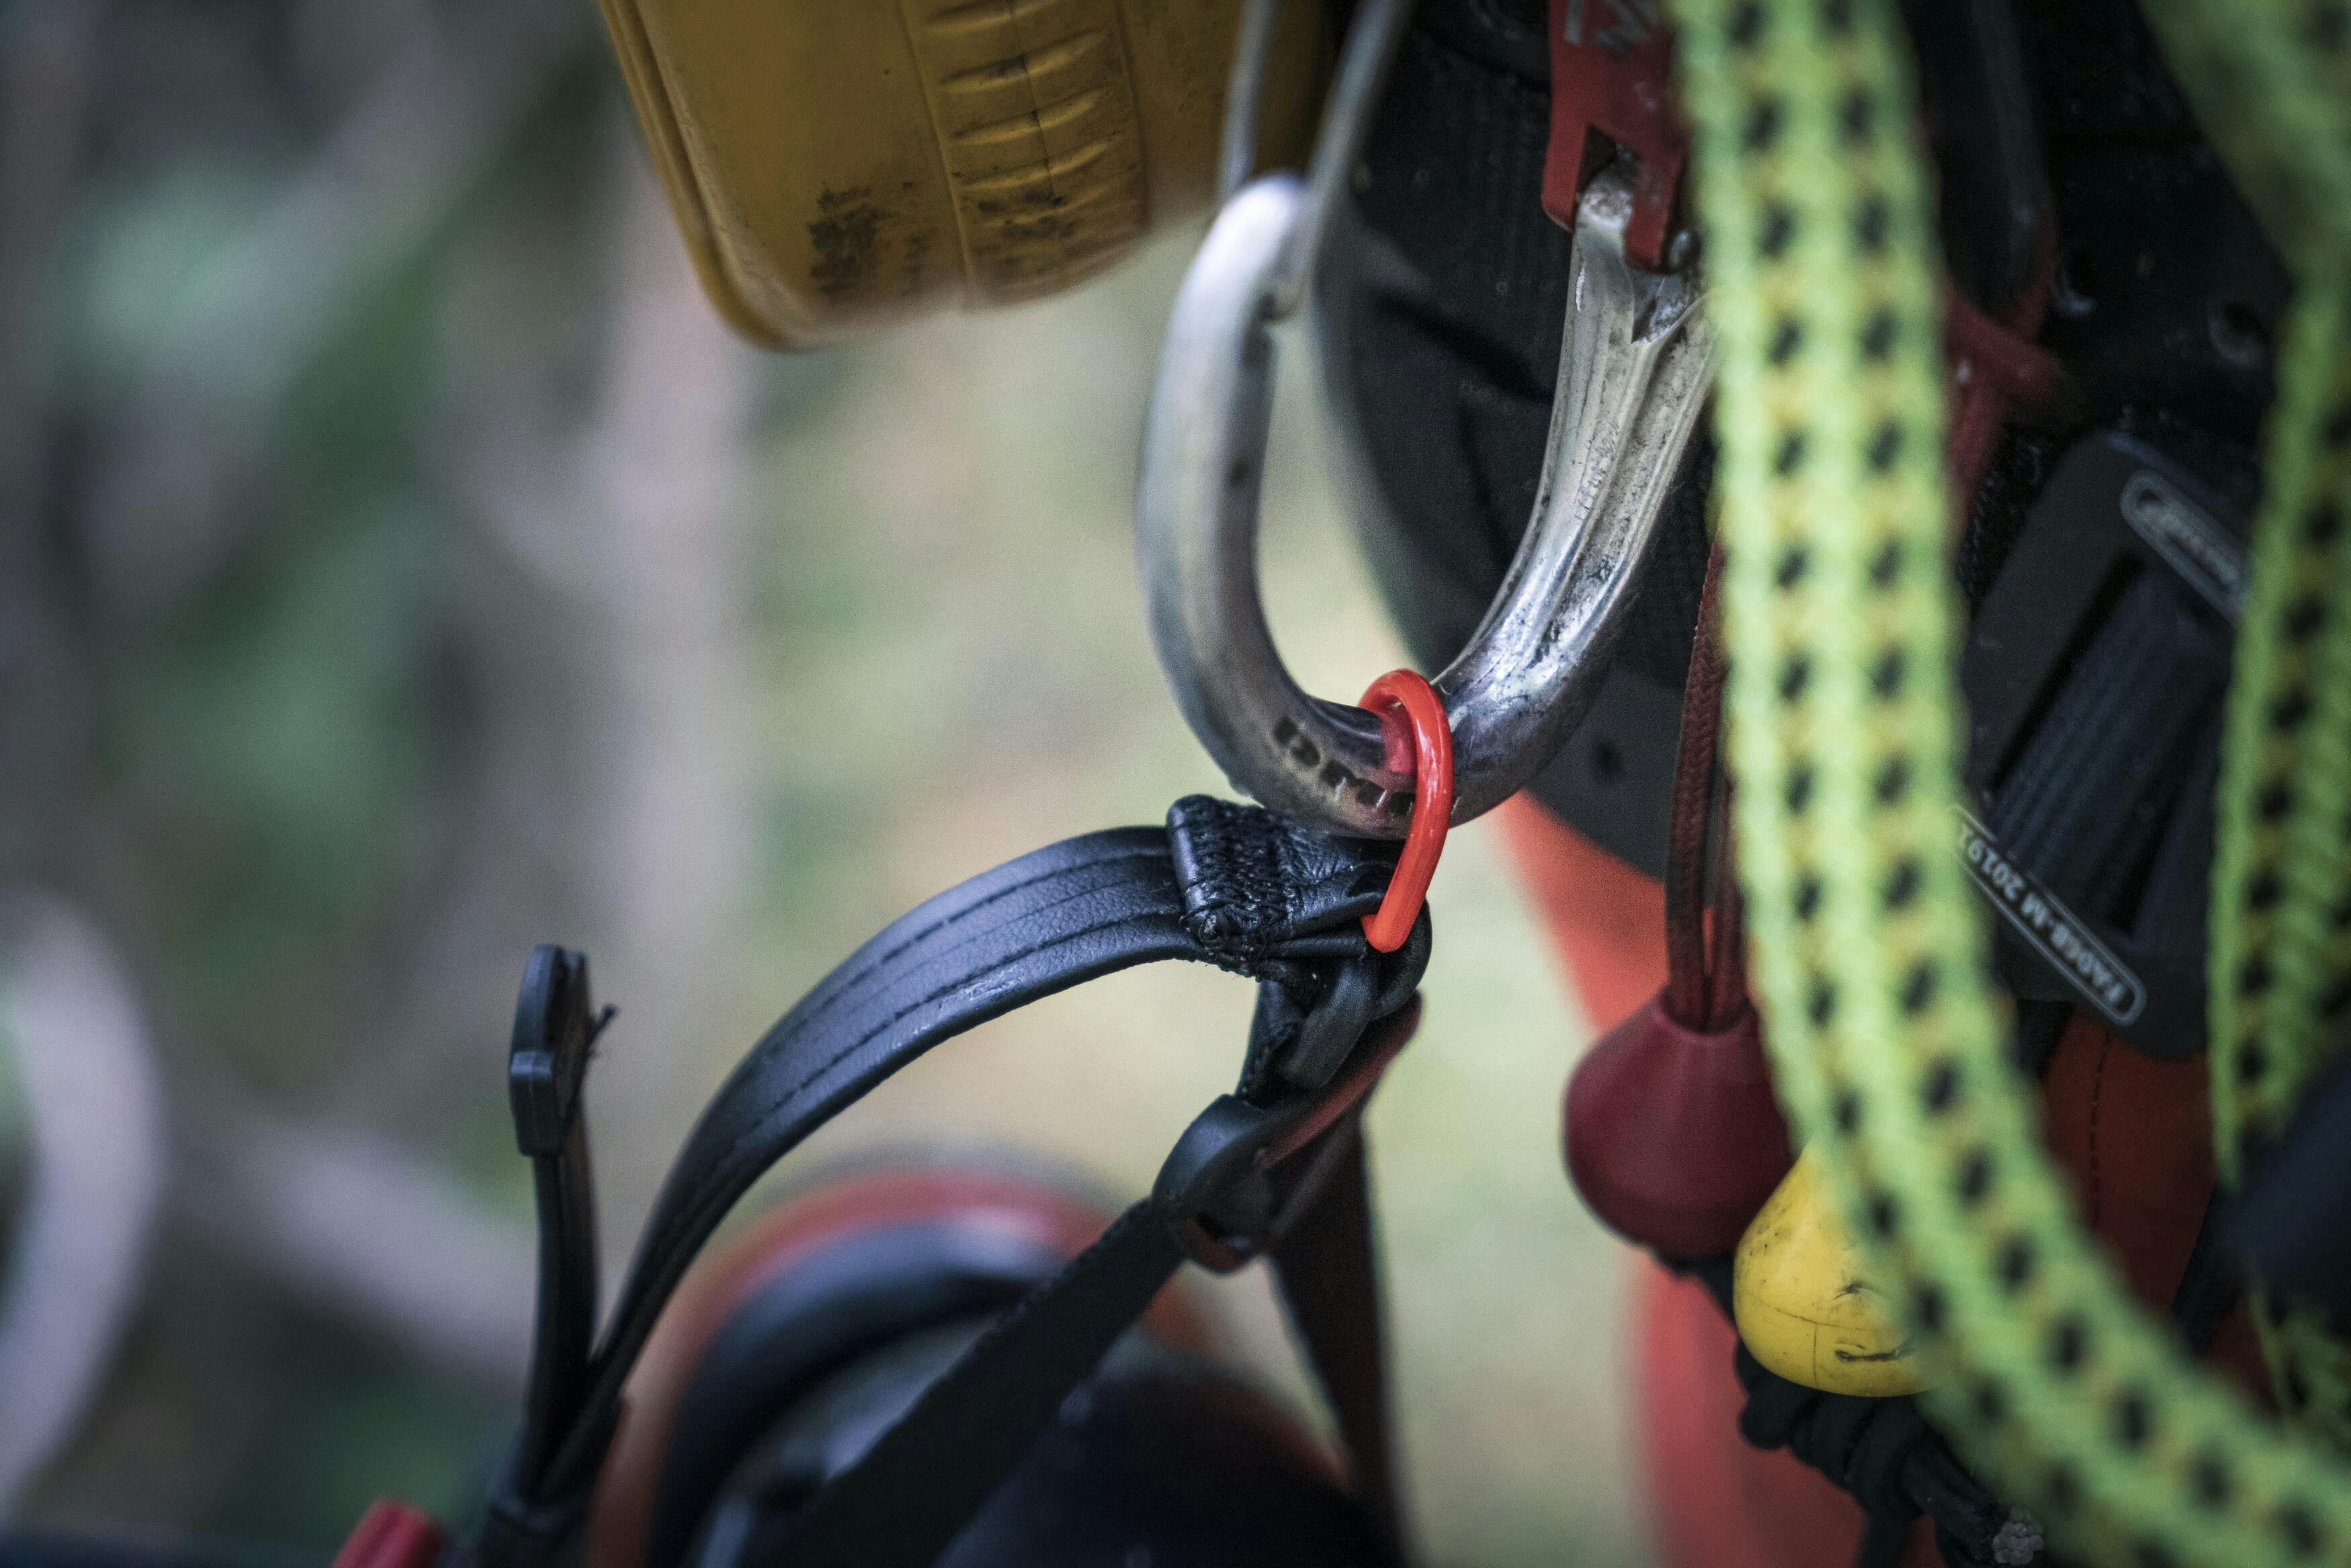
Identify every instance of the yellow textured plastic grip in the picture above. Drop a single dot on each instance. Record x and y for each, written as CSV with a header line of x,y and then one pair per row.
x,y
840,165
1867,949
1805,1301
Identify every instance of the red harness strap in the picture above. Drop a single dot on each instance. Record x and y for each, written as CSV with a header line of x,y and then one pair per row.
x,y
391,1534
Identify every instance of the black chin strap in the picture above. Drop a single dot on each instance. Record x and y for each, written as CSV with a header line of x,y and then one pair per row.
x,y
1221,884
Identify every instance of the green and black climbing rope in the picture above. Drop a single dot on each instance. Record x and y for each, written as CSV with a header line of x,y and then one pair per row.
x,y
2278,98
1869,950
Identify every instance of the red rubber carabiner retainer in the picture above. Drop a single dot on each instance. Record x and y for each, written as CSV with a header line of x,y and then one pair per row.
x,y
1420,744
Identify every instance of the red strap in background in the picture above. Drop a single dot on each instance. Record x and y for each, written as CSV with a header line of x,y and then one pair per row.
x,y
391,1534
1612,75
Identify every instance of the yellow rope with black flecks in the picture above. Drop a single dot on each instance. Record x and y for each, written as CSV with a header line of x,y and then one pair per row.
x,y
1869,948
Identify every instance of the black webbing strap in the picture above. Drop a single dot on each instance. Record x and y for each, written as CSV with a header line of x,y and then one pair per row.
x,y
2211,1283
1326,1266
1221,884
904,1502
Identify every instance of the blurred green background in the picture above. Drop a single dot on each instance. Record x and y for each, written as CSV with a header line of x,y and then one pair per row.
x,y
399,565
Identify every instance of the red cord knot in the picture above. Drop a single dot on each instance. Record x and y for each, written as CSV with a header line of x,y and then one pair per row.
x,y
1420,746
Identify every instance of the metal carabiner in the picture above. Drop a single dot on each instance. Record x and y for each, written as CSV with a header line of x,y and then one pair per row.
x,y
1636,363
1373,38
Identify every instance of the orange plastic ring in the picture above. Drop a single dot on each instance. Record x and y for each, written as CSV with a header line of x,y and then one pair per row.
x,y
1420,743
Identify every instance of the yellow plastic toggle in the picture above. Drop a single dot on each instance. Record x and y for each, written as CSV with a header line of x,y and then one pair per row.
x,y
838,166
1804,1303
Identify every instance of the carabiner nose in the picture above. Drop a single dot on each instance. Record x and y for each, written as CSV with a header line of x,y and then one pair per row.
x,y
1635,364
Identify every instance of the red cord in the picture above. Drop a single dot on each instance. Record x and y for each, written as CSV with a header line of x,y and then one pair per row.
x,y
1419,742
1999,369
1691,818
1706,957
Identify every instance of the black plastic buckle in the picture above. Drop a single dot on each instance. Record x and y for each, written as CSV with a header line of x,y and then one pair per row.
x,y
1243,1171
2115,509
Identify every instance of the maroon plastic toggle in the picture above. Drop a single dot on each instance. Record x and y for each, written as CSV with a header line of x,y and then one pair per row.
x,y
1673,1135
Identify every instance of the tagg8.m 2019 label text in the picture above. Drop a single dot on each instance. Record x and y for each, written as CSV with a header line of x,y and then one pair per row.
x,y
2054,931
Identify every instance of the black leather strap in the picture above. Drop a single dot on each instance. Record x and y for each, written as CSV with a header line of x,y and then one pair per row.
x,y
1221,884
554,1028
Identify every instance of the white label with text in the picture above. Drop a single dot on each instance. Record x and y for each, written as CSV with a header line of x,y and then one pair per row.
x,y
2054,931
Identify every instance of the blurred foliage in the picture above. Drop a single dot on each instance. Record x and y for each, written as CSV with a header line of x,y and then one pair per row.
x,y
285,744
12,1150
259,717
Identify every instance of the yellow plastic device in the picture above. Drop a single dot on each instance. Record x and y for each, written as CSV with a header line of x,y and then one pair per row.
x,y
1804,1302
841,165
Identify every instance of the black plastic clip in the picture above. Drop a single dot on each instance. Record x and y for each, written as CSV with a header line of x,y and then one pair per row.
x,y
1242,1171
2094,674
555,1031
1311,1013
